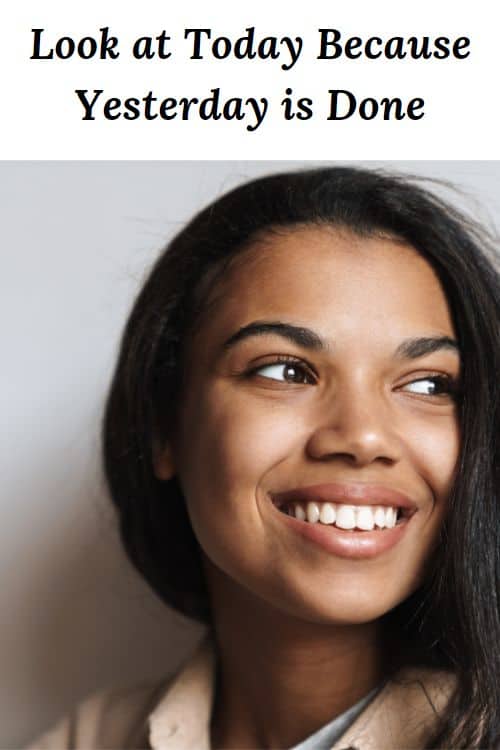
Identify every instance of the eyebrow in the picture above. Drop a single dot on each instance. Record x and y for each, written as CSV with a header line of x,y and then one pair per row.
x,y
308,339
419,347
304,337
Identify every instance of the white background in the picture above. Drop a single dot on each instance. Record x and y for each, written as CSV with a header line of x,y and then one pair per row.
x,y
41,116
77,239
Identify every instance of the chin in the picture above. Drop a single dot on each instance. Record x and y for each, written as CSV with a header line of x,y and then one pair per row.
x,y
343,608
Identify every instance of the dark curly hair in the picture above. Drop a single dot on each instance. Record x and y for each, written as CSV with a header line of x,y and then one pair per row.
x,y
453,620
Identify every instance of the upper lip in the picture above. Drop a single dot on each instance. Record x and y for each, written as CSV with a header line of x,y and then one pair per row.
x,y
351,493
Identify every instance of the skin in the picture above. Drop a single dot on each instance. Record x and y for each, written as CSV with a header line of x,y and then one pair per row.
x,y
287,614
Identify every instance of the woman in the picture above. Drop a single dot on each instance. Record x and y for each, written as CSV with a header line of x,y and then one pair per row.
x,y
301,440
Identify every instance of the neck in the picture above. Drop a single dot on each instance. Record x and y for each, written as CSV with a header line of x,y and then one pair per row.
x,y
280,678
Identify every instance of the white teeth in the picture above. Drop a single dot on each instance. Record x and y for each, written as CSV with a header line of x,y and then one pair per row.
x,y
346,517
379,517
312,512
390,518
299,513
365,519
327,513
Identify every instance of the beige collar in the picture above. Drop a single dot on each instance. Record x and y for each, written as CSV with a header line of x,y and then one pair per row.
x,y
181,720
401,715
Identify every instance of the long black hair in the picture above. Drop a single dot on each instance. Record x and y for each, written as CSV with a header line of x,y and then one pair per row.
x,y
453,620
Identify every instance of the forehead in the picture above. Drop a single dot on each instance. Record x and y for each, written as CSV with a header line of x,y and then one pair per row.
x,y
334,279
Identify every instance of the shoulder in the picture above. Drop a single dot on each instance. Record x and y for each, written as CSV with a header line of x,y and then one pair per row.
x,y
110,718
406,710
122,719
433,686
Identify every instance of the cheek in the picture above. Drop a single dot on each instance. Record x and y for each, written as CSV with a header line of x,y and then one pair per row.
x,y
434,451
226,454
228,445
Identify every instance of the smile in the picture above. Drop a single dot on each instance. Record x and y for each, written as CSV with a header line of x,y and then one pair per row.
x,y
347,520
347,517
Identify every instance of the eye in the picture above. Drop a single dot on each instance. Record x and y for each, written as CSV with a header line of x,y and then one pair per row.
x,y
286,371
432,385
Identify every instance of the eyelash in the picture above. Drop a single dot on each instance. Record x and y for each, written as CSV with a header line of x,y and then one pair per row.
x,y
286,359
446,384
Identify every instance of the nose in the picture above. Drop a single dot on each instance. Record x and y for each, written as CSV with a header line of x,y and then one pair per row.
x,y
357,427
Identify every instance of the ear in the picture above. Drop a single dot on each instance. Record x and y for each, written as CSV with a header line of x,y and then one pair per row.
x,y
163,462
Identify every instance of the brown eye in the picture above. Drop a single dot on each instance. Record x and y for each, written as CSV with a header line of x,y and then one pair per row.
x,y
437,385
286,372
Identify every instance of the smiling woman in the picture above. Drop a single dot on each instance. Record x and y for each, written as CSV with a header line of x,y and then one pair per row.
x,y
301,440
300,388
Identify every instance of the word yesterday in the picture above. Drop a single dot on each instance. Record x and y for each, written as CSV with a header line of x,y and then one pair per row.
x,y
150,107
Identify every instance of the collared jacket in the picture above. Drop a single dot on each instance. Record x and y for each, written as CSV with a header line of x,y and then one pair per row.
x,y
176,716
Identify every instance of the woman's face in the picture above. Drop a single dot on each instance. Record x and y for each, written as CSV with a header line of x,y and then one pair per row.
x,y
320,382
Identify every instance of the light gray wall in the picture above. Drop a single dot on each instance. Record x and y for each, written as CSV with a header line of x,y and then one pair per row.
x,y
76,240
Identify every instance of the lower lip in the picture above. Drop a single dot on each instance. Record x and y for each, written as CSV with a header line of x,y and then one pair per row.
x,y
353,545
